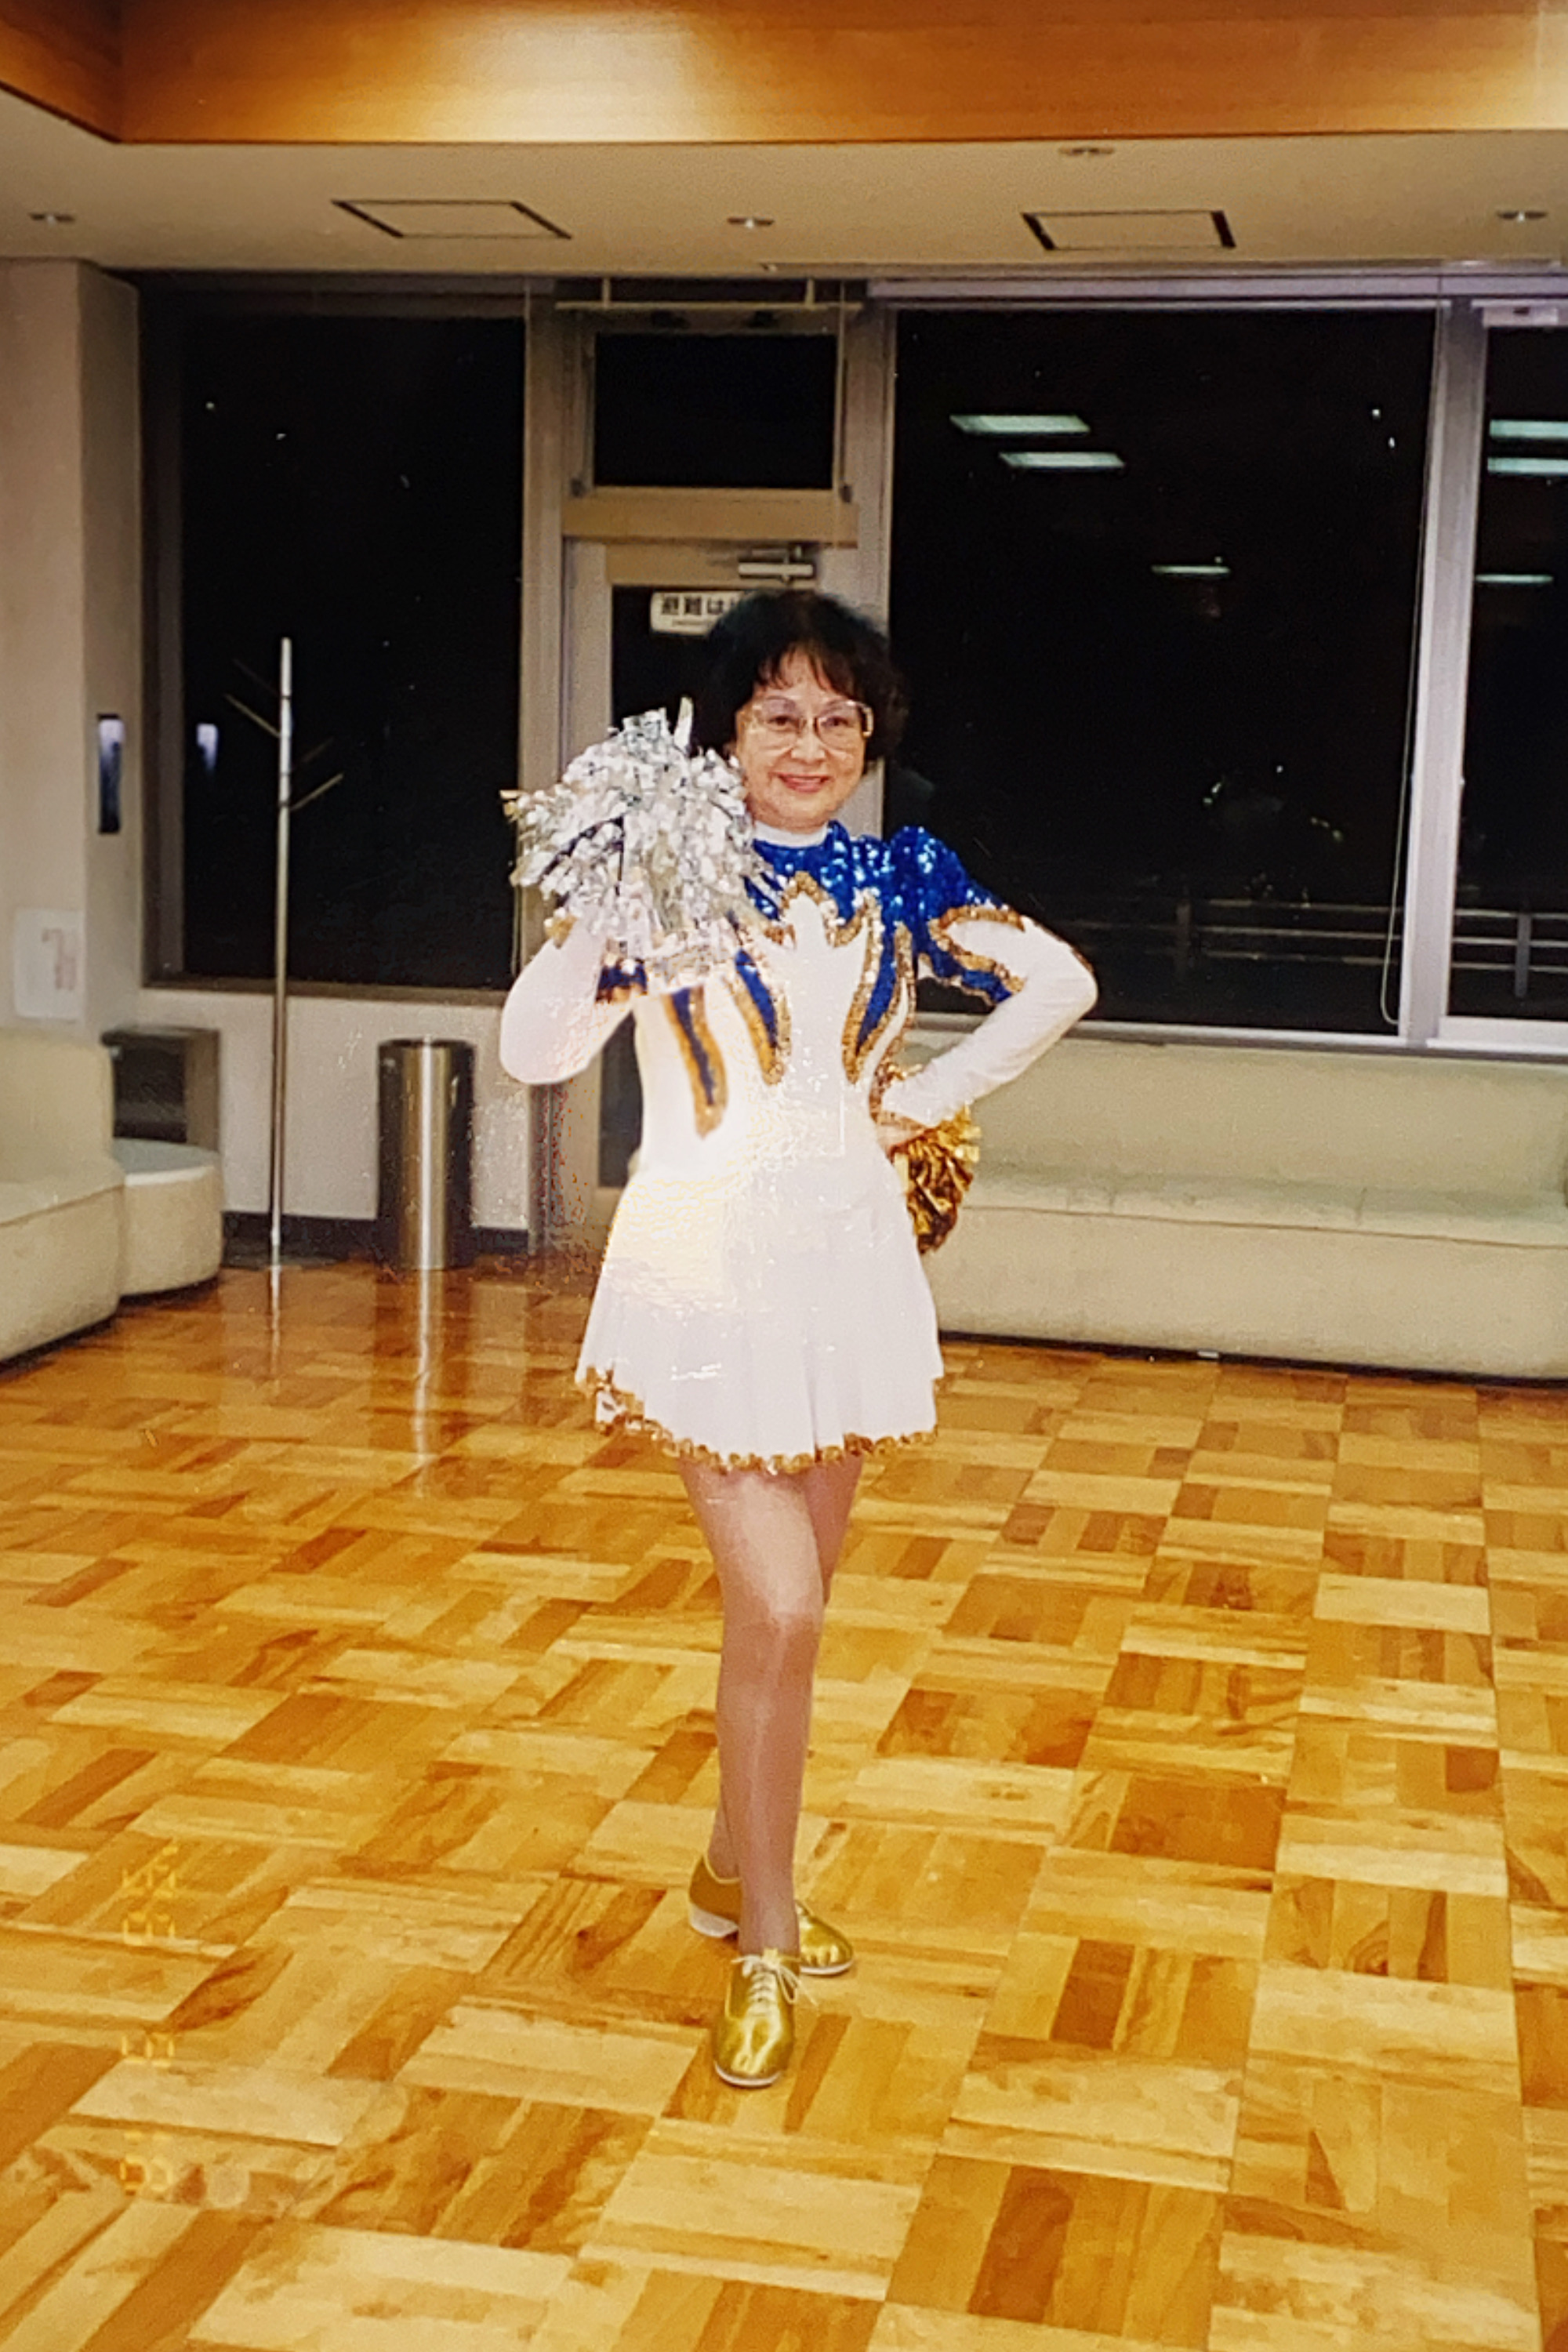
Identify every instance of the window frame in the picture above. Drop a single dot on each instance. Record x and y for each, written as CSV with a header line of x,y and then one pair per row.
x,y
1518,1039
1468,305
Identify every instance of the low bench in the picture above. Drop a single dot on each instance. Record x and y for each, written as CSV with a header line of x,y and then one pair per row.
x,y
87,1218
1335,1207
60,1189
174,1216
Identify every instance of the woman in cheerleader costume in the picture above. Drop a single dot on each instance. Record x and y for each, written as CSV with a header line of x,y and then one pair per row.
x,y
761,1312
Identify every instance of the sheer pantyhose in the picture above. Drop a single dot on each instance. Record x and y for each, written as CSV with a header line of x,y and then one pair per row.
x,y
775,1542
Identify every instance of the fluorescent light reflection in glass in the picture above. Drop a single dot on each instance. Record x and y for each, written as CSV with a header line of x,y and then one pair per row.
x,y
1191,570
1064,461
1513,579
1543,469
1020,428
1528,428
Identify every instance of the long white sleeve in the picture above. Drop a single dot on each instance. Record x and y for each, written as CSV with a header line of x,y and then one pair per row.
x,y
553,1023
1053,988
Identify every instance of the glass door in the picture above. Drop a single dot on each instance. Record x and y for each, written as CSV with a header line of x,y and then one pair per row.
x,y
1508,967
704,455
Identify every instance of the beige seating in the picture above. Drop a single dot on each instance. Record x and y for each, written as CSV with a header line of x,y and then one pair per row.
x,y
60,1187
1337,1207
86,1219
174,1216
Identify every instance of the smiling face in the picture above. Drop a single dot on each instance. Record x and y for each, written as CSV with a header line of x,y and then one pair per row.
x,y
796,785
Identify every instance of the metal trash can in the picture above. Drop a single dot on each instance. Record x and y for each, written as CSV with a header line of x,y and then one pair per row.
x,y
425,1088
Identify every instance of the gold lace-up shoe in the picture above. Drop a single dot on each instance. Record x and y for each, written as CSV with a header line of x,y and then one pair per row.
x,y
713,1907
754,2034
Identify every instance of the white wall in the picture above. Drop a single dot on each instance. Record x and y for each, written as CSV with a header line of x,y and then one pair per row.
x,y
69,614
42,779
113,656
331,1165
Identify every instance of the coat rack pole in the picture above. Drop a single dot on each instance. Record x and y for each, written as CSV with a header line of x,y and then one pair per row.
x,y
280,952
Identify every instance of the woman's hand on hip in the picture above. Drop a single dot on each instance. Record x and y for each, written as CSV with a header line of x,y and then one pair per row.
x,y
892,1131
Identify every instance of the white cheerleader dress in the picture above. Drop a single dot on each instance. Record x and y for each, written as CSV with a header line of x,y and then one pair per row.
x,y
761,1303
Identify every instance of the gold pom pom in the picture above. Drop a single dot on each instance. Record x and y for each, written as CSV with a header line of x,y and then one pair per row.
x,y
938,1167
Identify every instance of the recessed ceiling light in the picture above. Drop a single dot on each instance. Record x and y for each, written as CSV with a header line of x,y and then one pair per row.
x,y
1020,427
1520,213
1062,461
748,220
54,220
1542,470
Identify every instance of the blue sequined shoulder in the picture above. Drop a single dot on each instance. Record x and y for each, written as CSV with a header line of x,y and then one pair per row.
x,y
932,886
929,878
919,884
836,864
915,877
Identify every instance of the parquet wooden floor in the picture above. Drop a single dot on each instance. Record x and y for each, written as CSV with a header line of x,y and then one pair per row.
x,y
1190,1768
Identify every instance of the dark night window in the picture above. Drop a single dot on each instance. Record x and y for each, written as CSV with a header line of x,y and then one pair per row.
x,y
356,484
1154,582
700,411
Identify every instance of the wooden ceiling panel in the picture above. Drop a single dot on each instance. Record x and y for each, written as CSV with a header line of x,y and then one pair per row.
x,y
727,71
413,72
64,55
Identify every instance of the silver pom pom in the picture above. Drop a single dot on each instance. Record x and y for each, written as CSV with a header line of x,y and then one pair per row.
x,y
648,845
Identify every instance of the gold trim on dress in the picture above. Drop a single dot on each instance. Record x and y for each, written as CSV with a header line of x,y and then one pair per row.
x,y
882,1076
772,1053
839,933
859,1051
970,959
869,919
707,1110
616,1408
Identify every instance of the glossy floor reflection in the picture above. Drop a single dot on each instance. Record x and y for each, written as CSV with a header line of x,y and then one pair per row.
x,y
1191,1769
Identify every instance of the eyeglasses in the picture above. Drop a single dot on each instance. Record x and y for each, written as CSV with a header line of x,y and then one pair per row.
x,y
841,728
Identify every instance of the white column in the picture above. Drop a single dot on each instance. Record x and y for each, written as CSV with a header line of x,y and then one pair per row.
x,y
69,642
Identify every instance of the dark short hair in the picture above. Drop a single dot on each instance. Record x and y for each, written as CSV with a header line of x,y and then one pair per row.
x,y
749,646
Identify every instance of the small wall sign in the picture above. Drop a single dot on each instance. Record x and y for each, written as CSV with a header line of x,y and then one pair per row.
x,y
47,964
689,612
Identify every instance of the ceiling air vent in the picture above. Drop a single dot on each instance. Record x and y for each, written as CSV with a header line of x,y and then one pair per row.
x,y
1123,235
450,217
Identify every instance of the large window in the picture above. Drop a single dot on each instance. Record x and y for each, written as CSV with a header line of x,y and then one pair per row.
x,y
1510,924
354,483
1155,584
